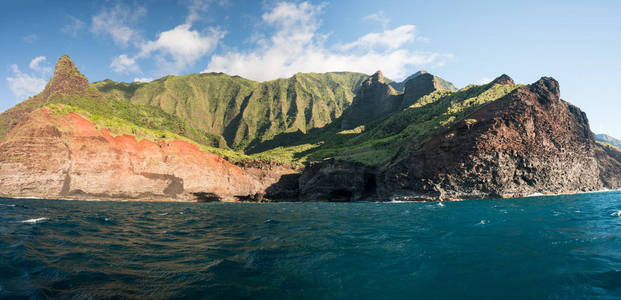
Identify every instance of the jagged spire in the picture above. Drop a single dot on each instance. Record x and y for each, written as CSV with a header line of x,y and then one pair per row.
x,y
503,79
67,78
547,88
378,76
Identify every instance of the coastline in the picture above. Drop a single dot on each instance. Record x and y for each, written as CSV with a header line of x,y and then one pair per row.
x,y
393,200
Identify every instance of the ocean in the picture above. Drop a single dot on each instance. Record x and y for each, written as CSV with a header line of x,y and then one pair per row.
x,y
545,247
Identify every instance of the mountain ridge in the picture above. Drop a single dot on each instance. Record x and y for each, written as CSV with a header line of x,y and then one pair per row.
x,y
312,137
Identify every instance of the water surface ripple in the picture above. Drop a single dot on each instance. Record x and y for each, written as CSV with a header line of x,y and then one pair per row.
x,y
539,247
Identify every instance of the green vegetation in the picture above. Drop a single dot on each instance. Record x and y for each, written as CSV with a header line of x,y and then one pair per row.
x,y
606,139
608,145
381,140
241,110
291,120
117,115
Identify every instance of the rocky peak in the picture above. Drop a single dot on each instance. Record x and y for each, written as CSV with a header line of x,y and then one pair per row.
x,y
375,99
376,77
417,87
67,78
503,79
548,90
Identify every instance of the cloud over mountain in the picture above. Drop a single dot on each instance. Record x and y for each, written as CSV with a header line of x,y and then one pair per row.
x,y
298,46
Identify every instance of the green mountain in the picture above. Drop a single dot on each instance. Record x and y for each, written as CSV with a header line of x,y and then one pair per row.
x,y
309,116
339,136
438,82
377,142
604,138
234,111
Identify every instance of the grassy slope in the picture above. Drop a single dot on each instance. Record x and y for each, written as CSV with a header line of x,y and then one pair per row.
x,y
377,143
242,110
285,120
606,139
141,121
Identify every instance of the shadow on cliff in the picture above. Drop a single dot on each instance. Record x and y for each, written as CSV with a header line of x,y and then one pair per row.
x,y
328,180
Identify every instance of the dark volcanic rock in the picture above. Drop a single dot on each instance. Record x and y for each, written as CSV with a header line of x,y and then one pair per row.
x,y
529,141
67,78
503,79
333,180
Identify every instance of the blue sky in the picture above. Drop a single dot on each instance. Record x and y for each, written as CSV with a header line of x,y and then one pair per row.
x,y
576,42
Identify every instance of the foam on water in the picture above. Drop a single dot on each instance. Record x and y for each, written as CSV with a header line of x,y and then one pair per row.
x,y
35,221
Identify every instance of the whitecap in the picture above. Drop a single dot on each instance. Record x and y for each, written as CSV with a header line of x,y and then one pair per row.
x,y
163,214
440,204
35,221
8,205
616,213
482,222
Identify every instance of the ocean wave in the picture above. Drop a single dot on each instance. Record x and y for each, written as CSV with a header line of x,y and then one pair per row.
x,y
616,213
535,195
35,221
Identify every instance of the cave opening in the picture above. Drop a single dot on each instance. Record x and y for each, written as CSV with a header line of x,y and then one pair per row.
x,y
341,195
370,185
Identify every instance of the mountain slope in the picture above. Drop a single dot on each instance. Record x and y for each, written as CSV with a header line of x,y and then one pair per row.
x,y
356,136
529,141
242,110
439,82
66,80
377,142
81,144
604,138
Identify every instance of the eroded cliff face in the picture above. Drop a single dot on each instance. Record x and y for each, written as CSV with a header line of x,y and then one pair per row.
x,y
527,142
56,155
66,80
375,99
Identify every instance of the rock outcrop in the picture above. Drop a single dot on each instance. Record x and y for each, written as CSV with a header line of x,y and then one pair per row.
x,y
55,155
375,99
66,80
50,153
439,82
421,85
527,142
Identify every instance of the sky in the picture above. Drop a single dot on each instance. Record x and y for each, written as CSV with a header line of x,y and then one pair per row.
x,y
576,42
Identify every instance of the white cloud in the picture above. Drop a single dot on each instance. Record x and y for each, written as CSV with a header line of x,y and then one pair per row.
x,y
196,8
75,26
24,85
143,79
485,80
180,47
297,46
176,49
115,22
38,64
391,39
378,17
124,64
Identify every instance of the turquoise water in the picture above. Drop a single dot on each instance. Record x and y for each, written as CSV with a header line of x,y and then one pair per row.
x,y
539,247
